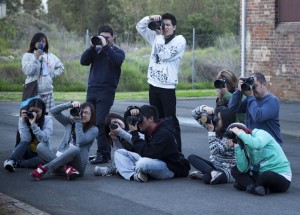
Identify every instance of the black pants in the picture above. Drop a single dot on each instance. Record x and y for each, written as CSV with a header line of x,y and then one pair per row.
x,y
102,102
165,102
205,167
273,181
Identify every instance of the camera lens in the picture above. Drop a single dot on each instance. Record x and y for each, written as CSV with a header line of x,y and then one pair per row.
x,y
75,111
96,40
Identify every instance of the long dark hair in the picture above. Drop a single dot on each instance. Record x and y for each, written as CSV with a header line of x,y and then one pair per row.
x,y
37,102
37,38
228,117
107,122
91,123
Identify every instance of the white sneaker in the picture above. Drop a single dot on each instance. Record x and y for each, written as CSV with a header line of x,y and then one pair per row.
x,y
140,177
215,177
9,165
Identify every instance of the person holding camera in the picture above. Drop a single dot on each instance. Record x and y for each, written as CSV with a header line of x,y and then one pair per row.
x,y
117,133
262,167
72,153
35,128
38,63
217,170
106,61
261,107
167,52
157,155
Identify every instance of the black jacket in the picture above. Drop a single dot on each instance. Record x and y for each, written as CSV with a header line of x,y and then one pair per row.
x,y
161,144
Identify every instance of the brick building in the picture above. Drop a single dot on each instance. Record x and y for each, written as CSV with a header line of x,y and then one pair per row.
x,y
273,44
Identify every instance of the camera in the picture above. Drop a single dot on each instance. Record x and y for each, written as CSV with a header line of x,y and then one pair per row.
x,y
221,83
113,125
156,25
231,135
29,114
133,120
248,84
206,118
40,46
75,111
96,40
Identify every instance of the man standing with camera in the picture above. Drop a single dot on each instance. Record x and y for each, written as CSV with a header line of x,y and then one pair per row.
x,y
106,61
167,51
261,106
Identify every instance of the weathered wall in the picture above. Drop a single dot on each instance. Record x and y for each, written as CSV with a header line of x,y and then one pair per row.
x,y
273,49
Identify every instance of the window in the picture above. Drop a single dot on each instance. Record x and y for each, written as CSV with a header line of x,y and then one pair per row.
x,y
288,10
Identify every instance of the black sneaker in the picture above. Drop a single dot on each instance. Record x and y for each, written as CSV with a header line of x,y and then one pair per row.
x,y
251,189
238,186
216,177
9,165
261,190
99,159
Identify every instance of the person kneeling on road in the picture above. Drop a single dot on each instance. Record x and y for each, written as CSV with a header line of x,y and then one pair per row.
x,y
157,156
72,154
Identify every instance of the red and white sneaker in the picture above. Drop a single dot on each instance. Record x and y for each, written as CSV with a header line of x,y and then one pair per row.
x,y
39,172
71,172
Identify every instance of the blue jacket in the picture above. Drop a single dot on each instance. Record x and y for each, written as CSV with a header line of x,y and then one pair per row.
x,y
105,68
261,113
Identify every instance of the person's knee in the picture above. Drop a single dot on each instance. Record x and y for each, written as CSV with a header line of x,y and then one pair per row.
x,y
41,147
142,165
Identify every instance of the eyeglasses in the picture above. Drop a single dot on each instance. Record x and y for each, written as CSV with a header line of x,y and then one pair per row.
x,y
86,112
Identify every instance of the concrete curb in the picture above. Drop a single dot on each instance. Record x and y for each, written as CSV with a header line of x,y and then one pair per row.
x,y
9,205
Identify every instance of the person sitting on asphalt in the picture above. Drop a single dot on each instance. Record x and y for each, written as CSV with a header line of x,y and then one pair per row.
x,y
72,154
35,128
261,107
262,166
157,155
116,131
222,158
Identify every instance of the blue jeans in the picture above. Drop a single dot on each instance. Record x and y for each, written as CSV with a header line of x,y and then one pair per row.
x,y
26,157
128,163
71,157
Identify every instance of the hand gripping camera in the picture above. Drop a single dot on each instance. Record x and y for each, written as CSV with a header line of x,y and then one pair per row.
x,y
133,120
29,114
156,25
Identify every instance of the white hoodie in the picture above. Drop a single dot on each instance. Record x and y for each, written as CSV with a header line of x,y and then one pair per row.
x,y
165,58
52,67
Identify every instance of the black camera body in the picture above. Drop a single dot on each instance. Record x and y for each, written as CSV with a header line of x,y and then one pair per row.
x,y
221,83
113,125
231,135
75,111
248,83
208,119
96,40
133,120
29,114
156,25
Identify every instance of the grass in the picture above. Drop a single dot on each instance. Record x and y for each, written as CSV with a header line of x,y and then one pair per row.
x,y
80,96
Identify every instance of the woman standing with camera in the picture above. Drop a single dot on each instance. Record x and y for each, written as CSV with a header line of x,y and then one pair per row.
x,y
72,154
217,169
35,127
41,65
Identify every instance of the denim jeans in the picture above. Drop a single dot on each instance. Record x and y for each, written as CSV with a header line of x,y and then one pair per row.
x,y
71,157
128,163
25,156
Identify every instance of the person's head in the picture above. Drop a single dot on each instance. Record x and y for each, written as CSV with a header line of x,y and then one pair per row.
x,y
36,39
170,22
260,89
113,118
38,106
88,115
107,32
225,117
230,78
150,117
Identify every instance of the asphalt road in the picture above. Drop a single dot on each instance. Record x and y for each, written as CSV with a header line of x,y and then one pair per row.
x,y
114,195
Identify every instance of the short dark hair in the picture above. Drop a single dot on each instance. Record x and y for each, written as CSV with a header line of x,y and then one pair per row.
x,y
259,77
148,111
105,28
169,16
